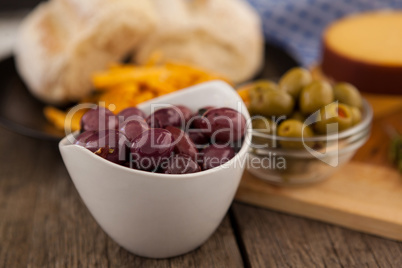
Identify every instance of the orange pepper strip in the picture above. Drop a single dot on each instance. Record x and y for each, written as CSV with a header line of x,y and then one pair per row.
x,y
244,94
105,80
58,118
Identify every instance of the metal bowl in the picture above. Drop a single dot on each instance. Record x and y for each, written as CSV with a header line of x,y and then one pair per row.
x,y
321,158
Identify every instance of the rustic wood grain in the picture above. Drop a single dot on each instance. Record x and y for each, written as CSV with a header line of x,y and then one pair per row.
x,y
359,196
43,222
375,151
273,239
384,105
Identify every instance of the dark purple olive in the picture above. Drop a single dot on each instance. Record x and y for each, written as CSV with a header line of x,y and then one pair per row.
x,y
203,110
133,128
181,164
182,142
227,125
108,144
200,139
197,120
215,155
86,136
98,119
131,113
186,112
150,148
166,117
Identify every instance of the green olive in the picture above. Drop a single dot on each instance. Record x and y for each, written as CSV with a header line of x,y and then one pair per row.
x,y
356,115
347,94
314,96
294,80
292,128
334,113
259,86
265,126
271,103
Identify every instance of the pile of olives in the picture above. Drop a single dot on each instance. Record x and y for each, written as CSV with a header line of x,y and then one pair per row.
x,y
171,140
282,108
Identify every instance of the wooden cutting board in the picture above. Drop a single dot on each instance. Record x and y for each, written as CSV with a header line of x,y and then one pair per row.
x,y
364,195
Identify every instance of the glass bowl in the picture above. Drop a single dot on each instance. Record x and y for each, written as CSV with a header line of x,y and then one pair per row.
x,y
323,156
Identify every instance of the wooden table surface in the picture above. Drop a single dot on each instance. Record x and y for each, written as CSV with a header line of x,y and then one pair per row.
x,y
44,223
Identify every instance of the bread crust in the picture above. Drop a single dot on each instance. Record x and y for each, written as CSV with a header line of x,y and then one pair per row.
x,y
224,36
62,42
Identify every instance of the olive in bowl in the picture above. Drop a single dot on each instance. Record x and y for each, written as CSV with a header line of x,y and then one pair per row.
x,y
270,101
152,214
312,158
314,96
325,127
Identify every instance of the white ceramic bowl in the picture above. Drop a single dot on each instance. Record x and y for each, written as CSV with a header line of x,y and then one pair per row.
x,y
159,215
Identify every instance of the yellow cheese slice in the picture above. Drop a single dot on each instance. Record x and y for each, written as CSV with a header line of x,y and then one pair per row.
x,y
373,37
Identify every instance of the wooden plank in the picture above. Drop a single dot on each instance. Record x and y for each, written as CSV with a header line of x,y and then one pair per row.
x,y
43,222
273,239
16,208
360,196
376,149
384,105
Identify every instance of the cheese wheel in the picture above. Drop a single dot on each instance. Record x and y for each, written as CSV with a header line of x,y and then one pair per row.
x,y
365,50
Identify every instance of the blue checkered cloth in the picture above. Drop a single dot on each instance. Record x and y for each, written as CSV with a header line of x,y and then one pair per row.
x,y
297,25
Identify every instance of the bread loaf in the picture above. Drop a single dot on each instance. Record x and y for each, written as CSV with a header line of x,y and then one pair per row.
x,y
62,42
223,36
